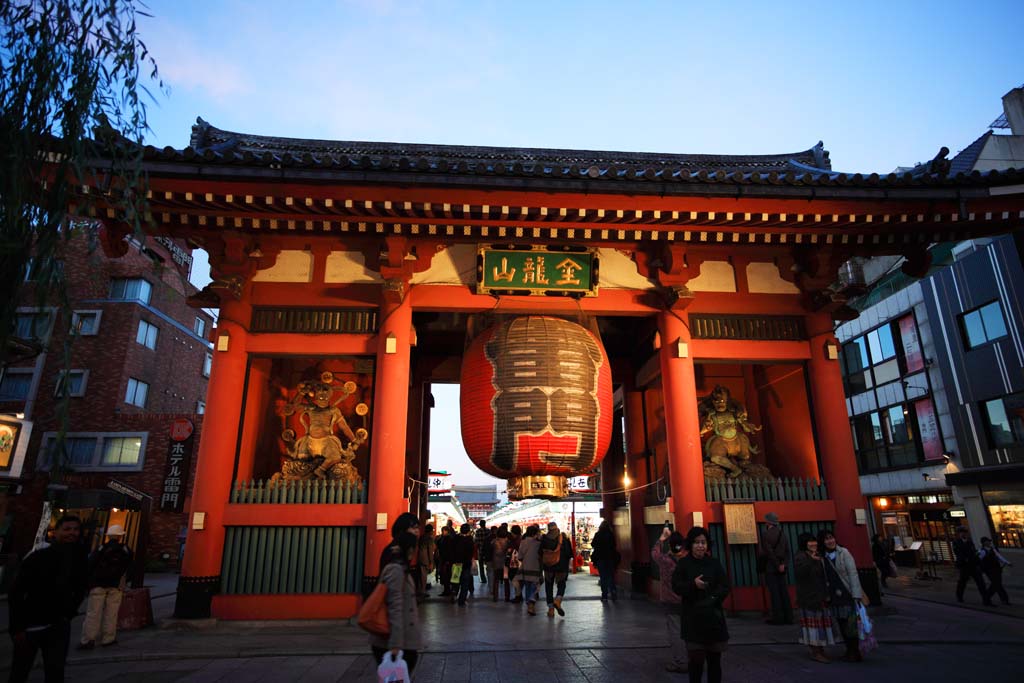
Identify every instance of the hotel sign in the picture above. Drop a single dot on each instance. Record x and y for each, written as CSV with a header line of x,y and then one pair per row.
x,y
537,270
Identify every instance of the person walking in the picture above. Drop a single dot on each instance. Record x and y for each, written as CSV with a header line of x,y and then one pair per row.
x,y
882,559
403,613
812,598
463,554
556,554
844,591
967,562
992,562
406,523
480,538
426,552
666,553
513,564
702,585
496,561
773,556
108,568
530,570
444,559
605,557
44,598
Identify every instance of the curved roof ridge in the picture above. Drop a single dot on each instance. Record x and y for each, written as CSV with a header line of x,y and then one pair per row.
x,y
206,137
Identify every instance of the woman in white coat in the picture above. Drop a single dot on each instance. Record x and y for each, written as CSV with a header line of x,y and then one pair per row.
x,y
844,591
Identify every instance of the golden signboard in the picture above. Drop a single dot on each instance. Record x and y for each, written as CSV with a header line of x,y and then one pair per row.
x,y
740,524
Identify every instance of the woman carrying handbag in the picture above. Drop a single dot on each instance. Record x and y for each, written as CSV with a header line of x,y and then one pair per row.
x,y
403,639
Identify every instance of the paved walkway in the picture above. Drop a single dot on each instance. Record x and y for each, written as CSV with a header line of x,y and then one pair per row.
x,y
596,641
941,588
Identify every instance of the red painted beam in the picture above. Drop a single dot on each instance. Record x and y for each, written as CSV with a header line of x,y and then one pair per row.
x,y
312,344
745,350
301,606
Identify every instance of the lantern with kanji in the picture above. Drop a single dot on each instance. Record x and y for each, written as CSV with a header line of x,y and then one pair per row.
x,y
536,403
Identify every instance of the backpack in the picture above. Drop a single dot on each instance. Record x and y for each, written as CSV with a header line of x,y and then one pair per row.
x,y
550,558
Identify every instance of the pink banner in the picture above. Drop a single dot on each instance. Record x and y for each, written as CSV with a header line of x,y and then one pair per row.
x,y
928,427
911,344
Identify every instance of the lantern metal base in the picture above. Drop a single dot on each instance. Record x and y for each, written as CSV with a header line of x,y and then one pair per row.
x,y
548,487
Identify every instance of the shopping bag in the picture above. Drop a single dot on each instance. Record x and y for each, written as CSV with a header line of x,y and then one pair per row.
x,y
865,631
373,615
862,618
393,669
457,573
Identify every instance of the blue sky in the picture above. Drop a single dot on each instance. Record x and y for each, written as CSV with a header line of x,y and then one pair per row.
x,y
883,84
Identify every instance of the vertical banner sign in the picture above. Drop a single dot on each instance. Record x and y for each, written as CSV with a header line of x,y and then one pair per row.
x,y
911,344
179,457
928,428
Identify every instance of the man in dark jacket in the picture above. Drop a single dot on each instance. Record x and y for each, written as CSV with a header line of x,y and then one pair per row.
x,y
107,569
463,554
43,599
556,553
773,552
965,556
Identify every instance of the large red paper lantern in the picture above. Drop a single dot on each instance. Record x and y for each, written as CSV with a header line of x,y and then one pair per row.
x,y
536,402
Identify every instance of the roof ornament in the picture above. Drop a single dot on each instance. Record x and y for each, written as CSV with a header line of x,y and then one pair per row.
x,y
939,165
820,155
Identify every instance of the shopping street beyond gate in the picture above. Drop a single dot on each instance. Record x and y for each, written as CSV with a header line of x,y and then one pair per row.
x,y
923,635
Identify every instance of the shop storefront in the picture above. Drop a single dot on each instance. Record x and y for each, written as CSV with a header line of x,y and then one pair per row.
x,y
926,518
1005,506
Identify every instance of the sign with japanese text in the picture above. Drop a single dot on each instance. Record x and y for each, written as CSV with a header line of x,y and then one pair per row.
x,y
439,482
583,484
911,344
179,457
536,271
928,430
740,524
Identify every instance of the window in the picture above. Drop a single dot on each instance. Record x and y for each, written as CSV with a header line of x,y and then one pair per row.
x,y
85,323
200,407
1008,521
136,393
16,384
147,334
873,359
983,325
886,438
1004,418
33,325
207,364
200,327
97,451
71,381
131,289
121,451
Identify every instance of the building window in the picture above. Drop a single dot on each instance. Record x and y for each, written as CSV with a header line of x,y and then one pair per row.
x,y
121,451
97,451
983,325
1004,418
85,323
207,364
885,439
873,359
71,381
131,289
200,327
1008,521
16,384
136,394
33,325
200,407
147,334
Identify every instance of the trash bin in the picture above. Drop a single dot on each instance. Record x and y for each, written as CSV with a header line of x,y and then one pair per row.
x,y
641,571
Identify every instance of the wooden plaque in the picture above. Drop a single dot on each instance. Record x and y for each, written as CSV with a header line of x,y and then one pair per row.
x,y
740,524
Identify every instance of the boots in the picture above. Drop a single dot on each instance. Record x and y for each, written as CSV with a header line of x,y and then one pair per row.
x,y
551,612
818,654
853,652
558,607
531,609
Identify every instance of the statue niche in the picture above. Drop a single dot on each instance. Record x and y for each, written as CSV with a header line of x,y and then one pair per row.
x,y
727,452
319,453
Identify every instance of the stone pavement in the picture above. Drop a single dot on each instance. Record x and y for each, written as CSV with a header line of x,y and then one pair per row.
x,y
941,588
596,641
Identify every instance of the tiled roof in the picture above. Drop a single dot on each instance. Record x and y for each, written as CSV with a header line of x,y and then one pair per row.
x,y
557,169
964,161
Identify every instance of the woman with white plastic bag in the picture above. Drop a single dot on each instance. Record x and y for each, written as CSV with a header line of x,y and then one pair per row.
x,y
398,651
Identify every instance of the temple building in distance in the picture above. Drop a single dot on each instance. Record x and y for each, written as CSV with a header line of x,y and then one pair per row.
x,y
663,320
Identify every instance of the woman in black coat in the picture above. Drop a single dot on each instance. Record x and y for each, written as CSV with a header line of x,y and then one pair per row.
x,y
605,557
702,584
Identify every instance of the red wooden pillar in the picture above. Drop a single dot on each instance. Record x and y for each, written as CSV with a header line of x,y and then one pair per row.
x,y
682,424
835,443
200,569
386,488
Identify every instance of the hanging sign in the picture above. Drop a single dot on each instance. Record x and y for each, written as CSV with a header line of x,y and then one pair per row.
x,y
583,484
928,430
740,524
536,270
179,456
439,483
911,344
127,490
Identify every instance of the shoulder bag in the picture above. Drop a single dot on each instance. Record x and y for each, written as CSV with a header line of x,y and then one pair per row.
x,y
373,615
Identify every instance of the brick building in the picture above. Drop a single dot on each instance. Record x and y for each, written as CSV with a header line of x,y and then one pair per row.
x,y
138,363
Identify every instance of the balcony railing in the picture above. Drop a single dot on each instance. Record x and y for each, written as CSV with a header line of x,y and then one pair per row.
x,y
782,489
317,491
